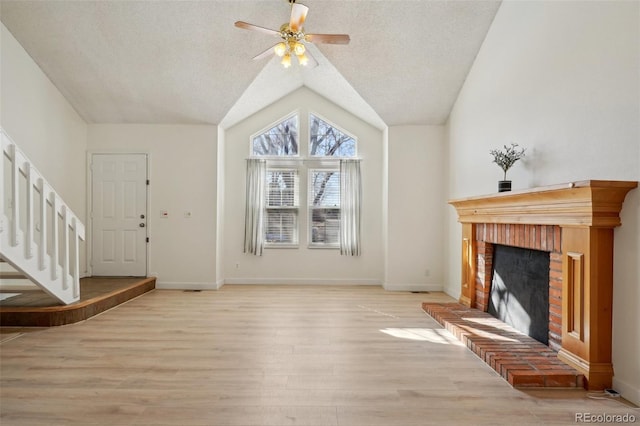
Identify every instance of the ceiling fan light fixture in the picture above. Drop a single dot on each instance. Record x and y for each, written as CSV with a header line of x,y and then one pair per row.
x,y
303,59
286,60
299,48
293,37
280,49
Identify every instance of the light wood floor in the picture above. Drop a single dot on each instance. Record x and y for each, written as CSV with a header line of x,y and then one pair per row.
x,y
267,355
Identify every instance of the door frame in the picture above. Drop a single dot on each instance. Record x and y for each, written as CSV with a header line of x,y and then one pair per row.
x,y
89,221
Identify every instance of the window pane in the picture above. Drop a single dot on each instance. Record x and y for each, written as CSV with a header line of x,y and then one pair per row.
x,y
280,140
325,226
281,218
281,226
324,188
282,188
324,206
327,141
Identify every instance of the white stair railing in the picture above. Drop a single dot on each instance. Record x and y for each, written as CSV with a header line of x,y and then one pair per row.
x,y
39,234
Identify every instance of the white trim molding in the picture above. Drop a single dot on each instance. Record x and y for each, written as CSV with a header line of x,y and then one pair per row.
x,y
303,281
413,287
173,285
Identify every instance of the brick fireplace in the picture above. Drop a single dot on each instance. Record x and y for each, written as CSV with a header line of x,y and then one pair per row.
x,y
574,222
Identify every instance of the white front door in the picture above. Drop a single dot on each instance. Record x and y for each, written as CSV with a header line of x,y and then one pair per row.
x,y
119,214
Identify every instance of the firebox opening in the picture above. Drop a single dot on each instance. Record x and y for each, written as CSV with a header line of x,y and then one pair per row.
x,y
519,294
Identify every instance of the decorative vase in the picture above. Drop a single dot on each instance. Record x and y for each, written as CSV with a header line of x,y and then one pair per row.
x,y
504,185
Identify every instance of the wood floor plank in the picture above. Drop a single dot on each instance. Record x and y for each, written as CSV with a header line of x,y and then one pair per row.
x,y
266,355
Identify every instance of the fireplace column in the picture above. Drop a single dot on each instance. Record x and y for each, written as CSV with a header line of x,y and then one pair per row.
x,y
587,295
468,285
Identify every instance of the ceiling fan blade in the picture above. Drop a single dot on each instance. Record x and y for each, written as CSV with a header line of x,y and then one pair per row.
x,y
328,38
264,54
298,15
248,26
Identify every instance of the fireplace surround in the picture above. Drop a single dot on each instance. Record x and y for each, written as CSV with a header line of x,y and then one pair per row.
x,y
574,222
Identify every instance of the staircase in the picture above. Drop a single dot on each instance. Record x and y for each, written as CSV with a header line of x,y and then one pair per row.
x,y
39,234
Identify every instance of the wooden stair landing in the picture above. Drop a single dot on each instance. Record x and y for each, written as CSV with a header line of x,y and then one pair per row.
x,y
521,360
35,308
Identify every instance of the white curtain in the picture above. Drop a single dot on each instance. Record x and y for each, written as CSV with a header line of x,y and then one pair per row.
x,y
350,207
255,206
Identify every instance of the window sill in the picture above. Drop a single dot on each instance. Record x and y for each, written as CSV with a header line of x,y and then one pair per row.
x,y
323,247
281,246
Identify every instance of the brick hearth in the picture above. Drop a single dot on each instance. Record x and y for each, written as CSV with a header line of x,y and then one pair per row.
x,y
519,359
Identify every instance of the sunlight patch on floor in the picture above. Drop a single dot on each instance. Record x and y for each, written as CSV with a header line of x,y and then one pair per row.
x,y
488,334
438,335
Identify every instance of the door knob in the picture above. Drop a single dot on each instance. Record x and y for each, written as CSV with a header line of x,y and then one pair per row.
x,y
142,225
141,216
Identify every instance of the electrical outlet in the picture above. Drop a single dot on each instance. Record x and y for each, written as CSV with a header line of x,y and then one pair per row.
x,y
612,393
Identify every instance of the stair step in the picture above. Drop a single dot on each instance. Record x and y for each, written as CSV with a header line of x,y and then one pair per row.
x,y
8,272
10,275
99,294
17,284
5,267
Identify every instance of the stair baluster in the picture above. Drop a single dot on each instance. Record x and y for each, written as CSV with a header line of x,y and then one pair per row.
x,y
55,270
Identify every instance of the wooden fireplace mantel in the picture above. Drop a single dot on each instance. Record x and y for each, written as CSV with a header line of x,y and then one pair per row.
x,y
586,212
584,203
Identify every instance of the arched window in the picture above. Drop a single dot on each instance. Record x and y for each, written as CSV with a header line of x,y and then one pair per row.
x,y
328,144
279,140
326,140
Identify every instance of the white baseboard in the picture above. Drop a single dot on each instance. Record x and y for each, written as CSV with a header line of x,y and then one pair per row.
x,y
412,287
302,281
169,285
455,294
628,391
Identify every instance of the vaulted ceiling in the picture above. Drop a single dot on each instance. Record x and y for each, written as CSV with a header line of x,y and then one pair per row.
x,y
185,62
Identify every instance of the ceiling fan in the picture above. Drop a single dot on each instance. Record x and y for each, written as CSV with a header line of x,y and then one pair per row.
x,y
293,37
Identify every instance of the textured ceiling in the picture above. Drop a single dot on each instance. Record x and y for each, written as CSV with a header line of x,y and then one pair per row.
x,y
185,62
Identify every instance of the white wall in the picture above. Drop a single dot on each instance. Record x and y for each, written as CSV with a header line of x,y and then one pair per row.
x,y
43,124
303,265
562,79
415,255
220,208
182,158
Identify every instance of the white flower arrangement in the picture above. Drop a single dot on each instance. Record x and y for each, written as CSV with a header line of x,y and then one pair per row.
x,y
507,157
